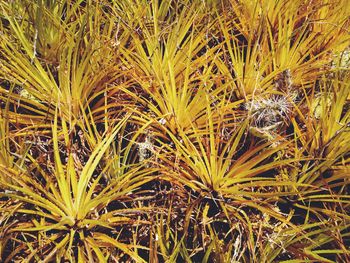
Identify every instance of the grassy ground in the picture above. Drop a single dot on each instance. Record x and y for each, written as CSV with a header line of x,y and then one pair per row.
x,y
174,131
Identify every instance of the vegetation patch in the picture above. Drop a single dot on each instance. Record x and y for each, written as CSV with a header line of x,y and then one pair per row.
x,y
174,131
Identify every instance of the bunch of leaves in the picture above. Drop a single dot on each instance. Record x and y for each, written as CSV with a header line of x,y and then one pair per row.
x,y
70,213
